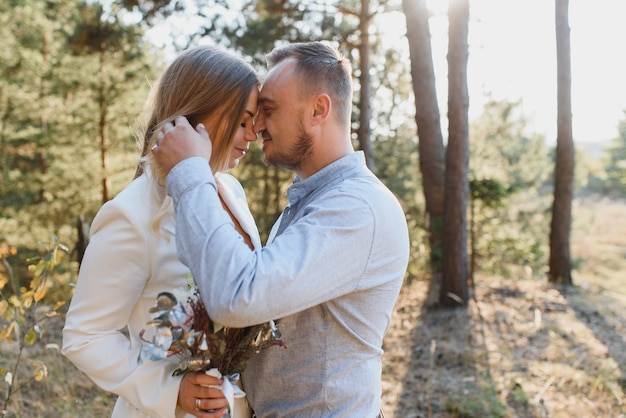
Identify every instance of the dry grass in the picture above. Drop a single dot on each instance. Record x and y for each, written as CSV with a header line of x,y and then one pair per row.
x,y
65,393
521,349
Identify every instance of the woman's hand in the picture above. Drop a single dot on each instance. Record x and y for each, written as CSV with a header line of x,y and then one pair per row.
x,y
178,140
196,397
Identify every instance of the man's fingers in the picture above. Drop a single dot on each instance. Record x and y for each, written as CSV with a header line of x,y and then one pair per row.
x,y
167,126
180,120
159,137
200,128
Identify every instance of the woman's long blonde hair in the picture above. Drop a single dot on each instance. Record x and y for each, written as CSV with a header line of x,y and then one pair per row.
x,y
201,82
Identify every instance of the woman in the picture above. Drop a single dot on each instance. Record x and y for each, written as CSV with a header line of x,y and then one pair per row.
x,y
131,257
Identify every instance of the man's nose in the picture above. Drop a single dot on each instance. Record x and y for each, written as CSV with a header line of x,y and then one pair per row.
x,y
259,124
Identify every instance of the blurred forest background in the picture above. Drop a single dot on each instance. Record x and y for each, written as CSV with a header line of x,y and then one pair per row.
x,y
74,78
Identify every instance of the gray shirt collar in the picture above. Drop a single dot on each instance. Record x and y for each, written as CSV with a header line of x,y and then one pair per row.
x,y
327,175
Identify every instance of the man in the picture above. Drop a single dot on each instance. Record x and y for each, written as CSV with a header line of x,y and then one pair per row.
x,y
335,259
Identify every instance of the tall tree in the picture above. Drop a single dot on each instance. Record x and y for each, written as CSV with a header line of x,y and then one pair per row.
x,y
454,288
104,43
28,108
364,131
560,262
428,119
51,118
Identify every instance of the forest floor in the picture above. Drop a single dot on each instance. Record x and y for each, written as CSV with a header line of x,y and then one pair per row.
x,y
522,348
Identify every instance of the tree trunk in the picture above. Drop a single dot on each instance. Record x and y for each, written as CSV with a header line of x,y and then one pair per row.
x,y
428,119
82,231
104,146
454,289
43,123
560,267
365,114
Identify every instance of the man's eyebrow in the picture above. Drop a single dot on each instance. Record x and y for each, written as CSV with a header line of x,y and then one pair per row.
x,y
264,100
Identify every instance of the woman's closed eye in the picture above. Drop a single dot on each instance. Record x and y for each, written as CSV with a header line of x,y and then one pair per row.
x,y
246,122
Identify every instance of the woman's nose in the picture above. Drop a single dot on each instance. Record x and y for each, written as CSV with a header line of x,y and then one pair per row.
x,y
250,135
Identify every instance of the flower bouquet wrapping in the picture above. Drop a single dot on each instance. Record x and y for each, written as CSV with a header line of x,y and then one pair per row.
x,y
183,328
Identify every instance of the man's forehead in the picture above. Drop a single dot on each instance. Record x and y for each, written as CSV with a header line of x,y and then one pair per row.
x,y
282,73
269,90
279,80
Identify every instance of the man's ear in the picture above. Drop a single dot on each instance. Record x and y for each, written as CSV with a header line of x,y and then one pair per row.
x,y
321,108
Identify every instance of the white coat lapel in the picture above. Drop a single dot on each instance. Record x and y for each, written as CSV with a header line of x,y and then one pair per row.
x,y
238,205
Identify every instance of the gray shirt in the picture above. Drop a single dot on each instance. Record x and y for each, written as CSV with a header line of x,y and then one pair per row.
x,y
330,274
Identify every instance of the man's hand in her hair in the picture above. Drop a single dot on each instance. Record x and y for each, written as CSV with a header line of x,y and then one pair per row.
x,y
178,140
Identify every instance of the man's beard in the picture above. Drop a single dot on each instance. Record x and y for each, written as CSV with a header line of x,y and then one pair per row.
x,y
297,153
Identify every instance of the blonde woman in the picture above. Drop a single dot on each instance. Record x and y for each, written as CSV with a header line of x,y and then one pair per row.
x,y
131,256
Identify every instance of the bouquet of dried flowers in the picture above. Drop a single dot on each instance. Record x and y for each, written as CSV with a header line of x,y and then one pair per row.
x,y
184,328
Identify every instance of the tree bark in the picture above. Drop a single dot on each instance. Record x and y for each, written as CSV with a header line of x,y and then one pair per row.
x,y
454,289
560,263
365,108
104,146
428,120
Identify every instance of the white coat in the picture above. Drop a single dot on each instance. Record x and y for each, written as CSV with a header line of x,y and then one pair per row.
x,y
126,265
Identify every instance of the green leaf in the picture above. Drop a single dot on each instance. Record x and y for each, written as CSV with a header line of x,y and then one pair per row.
x,y
8,315
179,372
39,268
30,337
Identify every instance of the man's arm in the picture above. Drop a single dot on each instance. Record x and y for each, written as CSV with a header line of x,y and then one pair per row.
x,y
305,266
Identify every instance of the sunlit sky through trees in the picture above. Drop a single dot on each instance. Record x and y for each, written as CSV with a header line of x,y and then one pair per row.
x,y
513,57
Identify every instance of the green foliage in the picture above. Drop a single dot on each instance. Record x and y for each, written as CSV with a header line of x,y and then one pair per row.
x,y
615,161
490,193
67,107
510,181
518,395
601,168
21,320
261,25
477,400
397,167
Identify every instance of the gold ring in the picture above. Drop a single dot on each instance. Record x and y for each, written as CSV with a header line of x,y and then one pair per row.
x,y
197,404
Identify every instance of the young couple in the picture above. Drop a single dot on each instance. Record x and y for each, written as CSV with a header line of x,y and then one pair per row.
x,y
329,274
